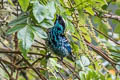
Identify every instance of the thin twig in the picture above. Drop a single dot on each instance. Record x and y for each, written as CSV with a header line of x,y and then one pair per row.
x,y
6,51
110,38
6,62
17,74
19,61
5,69
39,42
106,36
37,61
41,76
69,68
38,46
2,4
61,75
4,45
101,53
105,15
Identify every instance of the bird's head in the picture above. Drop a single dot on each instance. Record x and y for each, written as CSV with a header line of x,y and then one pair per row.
x,y
60,20
59,23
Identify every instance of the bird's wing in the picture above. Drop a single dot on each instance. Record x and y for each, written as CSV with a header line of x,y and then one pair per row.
x,y
66,43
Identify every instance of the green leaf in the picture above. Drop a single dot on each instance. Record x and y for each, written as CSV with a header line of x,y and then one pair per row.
x,y
54,63
53,66
117,12
70,26
100,3
89,10
47,23
75,47
68,12
79,64
97,20
51,10
117,29
82,75
15,29
20,20
24,4
11,3
26,37
85,33
118,66
82,18
40,32
39,11
103,28
85,61
62,2
78,1
53,78
104,7
42,12
117,55
43,62
93,75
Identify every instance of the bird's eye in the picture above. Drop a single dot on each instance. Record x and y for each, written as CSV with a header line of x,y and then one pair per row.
x,y
58,29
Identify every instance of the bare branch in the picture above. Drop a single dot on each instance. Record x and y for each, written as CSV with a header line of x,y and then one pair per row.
x,y
5,69
40,75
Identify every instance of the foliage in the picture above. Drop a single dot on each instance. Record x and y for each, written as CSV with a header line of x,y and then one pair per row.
x,y
93,35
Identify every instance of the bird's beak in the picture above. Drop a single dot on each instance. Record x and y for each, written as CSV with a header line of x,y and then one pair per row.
x,y
57,16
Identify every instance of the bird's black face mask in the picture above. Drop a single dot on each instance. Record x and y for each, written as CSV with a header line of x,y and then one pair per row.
x,y
60,20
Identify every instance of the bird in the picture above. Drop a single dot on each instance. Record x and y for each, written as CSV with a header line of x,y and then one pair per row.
x,y
57,40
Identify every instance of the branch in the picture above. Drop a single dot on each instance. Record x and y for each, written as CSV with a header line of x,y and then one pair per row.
x,y
6,62
71,70
27,67
38,46
7,51
69,67
105,15
110,38
5,69
101,53
41,76
4,45
39,42
106,36
112,16
61,75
